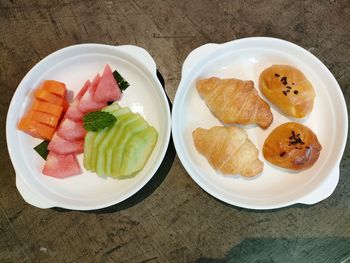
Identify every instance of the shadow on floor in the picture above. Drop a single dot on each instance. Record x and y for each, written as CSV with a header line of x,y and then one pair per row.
x,y
259,211
300,250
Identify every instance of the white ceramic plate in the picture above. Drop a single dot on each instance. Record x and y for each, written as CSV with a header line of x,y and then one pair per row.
x,y
245,59
74,65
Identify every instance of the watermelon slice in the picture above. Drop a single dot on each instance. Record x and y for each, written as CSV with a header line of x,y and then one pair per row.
x,y
71,130
73,111
87,102
62,146
60,166
83,90
107,89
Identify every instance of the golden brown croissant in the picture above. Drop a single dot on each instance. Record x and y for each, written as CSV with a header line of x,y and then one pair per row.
x,y
235,101
228,150
292,146
288,89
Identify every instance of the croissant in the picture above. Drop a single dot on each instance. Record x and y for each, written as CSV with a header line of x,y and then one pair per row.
x,y
287,88
228,150
235,101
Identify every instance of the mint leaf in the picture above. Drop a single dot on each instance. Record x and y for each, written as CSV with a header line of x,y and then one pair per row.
x,y
98,120
122,83
42,150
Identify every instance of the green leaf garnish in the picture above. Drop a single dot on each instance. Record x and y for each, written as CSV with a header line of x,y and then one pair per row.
x,y
98,120
42,150
122,83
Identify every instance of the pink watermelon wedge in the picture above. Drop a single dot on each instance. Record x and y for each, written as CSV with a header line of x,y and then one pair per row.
x,y
83,90
87,102
61,166
107,89
73,111
71,130
62,146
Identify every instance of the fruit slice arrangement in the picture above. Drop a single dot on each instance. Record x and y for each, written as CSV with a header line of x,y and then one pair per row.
x,y
118,142
46,110
121,150
68,140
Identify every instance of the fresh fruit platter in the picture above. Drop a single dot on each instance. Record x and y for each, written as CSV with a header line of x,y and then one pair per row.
x,y
88,127
115,141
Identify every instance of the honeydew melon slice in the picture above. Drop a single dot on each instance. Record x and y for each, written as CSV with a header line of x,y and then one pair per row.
x,y
90,137
107,140
113,143
137,151
118,151
88,148
100,135
113,107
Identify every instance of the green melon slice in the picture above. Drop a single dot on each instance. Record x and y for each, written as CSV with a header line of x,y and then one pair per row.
x,y
137,151
88,148
113,107
122,150
99,138
125,120
120,114
118,152
94,138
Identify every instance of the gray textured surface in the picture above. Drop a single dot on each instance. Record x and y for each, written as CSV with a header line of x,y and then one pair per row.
x,y
172,219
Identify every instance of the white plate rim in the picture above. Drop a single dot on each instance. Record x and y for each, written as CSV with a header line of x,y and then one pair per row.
x,y
198,56
137,53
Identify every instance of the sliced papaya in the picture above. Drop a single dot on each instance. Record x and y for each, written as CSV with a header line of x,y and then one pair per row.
x,y
43,117
47,107
48,97
55,87
36,129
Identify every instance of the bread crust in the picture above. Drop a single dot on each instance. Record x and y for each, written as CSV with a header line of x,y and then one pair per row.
x,y
234,101
292,146
228,150
288,89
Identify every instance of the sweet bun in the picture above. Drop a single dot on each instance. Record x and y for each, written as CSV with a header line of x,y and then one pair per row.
x,y
292,146
288,89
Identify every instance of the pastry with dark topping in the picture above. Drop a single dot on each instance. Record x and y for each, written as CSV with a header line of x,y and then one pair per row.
x,y
292,146
288,89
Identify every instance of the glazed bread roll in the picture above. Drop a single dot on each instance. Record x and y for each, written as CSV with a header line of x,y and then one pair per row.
x,y
288,89
293,146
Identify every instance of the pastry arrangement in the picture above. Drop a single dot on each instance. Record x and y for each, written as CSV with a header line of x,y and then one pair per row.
x,y
233,101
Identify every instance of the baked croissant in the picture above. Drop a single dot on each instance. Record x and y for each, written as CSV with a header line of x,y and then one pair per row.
x,y
228,150
289,89
235,101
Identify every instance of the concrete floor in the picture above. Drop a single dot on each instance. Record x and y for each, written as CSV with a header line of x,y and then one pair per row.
x,y
171,219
